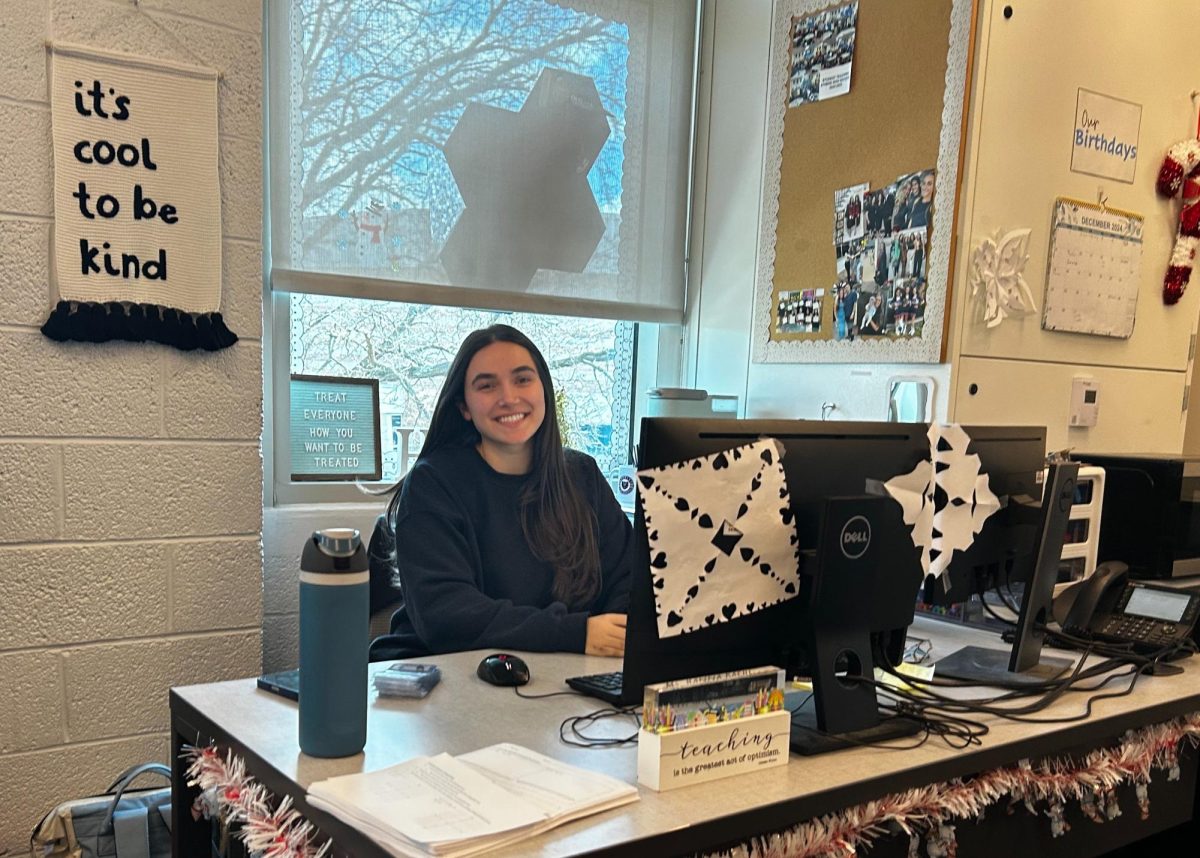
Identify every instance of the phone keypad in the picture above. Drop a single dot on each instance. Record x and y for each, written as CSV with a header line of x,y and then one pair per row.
x,y
1139,629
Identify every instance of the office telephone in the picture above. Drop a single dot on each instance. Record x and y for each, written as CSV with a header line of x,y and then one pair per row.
x,y
1109,606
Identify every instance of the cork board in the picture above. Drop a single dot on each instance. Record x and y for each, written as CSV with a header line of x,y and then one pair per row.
x,y
901,120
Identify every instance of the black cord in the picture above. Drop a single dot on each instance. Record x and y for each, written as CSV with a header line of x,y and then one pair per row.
x,y
929,700
576,725
574,693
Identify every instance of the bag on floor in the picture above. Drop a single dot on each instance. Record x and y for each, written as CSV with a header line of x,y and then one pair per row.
x,y
121,823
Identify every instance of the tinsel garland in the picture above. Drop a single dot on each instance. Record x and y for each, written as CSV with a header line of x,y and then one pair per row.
x,y
929,811
229,794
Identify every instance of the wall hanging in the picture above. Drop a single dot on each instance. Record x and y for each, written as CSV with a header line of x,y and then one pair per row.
x,y
137,201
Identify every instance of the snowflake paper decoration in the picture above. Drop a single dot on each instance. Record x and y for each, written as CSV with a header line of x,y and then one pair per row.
x,y
998,277
946,499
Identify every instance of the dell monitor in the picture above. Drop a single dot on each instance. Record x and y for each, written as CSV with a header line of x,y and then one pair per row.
x,y
821,459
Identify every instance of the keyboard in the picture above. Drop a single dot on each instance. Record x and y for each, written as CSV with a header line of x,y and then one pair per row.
x,y
605,686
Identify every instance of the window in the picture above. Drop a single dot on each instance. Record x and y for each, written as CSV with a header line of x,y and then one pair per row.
x,y
408,347
525,156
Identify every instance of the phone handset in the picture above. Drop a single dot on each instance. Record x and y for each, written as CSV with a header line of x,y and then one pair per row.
x,y
1098,593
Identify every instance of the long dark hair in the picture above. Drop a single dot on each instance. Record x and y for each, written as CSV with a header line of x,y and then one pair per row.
x,y
555,518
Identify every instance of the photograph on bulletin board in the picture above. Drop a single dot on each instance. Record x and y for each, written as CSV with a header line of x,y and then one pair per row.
x,y
822,54
876,168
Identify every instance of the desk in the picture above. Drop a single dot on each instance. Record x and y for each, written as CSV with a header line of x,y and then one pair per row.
x,y
464,713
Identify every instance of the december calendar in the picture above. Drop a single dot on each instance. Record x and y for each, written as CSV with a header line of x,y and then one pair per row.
x,y
1093,269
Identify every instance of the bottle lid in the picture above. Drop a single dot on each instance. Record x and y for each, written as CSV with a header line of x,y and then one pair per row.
x,y
338,541
337,549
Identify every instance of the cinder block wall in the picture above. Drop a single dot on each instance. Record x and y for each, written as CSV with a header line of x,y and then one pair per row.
x,y
130,475
285,530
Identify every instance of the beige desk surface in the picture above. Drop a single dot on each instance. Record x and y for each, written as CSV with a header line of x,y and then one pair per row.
x,y
464,713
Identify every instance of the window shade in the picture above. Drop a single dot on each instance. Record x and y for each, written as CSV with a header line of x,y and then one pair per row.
x,y
510,154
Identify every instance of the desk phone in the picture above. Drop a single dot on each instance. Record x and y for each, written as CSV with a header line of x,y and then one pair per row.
x,y
1111,607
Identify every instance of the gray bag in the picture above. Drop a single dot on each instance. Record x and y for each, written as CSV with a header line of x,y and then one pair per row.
x,y
122,822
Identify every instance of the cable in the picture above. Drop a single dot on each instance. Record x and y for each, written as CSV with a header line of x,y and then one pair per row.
x,y
576,725
573,693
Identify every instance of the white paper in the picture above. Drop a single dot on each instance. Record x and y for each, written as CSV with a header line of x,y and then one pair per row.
x,y
459,806
426,800
944,524
553,788
722,536
1104,141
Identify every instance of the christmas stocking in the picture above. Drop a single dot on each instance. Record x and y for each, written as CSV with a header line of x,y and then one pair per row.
x,y
1181,169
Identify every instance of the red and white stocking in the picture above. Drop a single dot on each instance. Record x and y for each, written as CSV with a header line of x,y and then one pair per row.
x,y
1181,169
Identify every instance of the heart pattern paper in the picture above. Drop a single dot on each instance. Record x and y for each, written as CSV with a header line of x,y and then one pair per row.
x,y
722,536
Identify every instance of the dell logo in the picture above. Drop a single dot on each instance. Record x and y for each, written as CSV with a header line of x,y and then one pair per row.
x,y
856,537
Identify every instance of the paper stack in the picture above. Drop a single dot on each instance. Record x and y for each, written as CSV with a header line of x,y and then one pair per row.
x,y
458,806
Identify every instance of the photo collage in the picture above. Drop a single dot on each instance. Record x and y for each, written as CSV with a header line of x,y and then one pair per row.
x,y
822,54
881,238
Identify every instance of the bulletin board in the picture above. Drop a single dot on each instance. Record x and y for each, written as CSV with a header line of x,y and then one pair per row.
x,y
902,118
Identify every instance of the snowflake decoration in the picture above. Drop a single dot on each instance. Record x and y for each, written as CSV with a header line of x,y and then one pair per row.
x,y
998,277
945,499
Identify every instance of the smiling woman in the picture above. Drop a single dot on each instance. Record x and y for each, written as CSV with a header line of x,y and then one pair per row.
x,y
505,401
506,539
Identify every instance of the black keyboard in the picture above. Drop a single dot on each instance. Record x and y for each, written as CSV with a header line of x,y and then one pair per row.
x,y
605,686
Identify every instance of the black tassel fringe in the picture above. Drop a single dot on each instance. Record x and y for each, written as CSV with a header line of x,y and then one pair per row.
x,y
91,322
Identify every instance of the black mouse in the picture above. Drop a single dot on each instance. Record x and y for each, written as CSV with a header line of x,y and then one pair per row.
x,y
500,668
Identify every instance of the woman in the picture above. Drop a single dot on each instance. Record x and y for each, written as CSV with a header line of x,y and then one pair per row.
x,y
870,325
919,216
911,190
505,539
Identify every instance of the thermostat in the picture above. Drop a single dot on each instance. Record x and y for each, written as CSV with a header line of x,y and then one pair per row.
x,y
1085,401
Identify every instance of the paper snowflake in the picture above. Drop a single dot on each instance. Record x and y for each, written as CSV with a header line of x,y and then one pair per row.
x,y
998,277
945,499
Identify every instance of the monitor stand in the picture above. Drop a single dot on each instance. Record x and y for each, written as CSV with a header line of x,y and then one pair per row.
x,y
854,565
807,740
1025,664
990,667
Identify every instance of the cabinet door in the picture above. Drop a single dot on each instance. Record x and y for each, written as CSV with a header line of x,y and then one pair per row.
x,y
1141,411
1022,127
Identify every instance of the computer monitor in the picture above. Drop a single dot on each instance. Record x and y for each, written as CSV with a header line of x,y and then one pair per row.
x,y
822,459
1001,553
1024,664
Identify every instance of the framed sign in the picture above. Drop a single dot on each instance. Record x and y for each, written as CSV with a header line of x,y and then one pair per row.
x,y
335,429
878,168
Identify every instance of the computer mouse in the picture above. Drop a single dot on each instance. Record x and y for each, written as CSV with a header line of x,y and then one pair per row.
x,y
500,668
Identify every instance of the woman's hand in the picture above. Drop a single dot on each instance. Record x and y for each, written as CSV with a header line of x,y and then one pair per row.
x,y
605,635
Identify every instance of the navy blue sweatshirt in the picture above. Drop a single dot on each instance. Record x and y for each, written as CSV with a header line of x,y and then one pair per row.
x,y
469,577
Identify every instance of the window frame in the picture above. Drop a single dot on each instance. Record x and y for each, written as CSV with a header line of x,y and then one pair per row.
x,y
658,347
280,490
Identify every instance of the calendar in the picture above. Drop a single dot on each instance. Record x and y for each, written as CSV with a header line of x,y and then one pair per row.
x,y
1093,269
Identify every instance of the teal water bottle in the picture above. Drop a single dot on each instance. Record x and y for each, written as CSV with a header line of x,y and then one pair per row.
x,y
334,606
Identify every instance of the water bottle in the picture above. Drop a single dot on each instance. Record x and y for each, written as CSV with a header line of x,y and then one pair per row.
x,y
334,606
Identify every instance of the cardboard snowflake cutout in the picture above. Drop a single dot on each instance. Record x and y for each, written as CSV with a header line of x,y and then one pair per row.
x,y
946,499
722,536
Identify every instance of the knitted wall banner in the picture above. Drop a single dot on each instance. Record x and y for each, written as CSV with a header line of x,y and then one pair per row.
x,y
137,201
